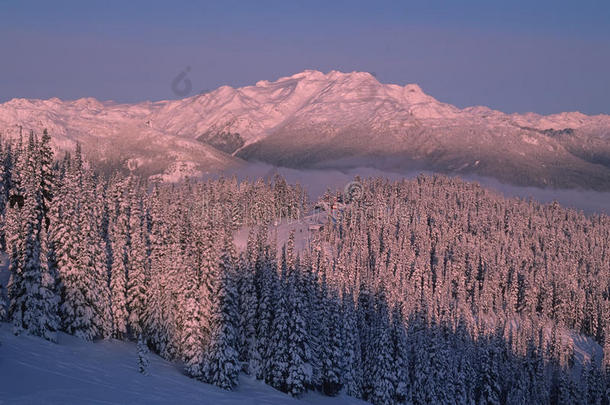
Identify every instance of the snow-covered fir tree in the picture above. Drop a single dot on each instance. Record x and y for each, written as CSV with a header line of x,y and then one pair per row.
x,y
143,354
332,346
67,226
384,375
352,377
31,289
299,364
221,365
278,349
119,244
138,264
192,345
247,310
400,360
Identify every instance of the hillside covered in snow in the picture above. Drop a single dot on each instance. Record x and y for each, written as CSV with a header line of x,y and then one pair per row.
x,y
72,371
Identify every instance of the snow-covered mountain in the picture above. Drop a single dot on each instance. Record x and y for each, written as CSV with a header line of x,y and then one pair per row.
x,y
312,119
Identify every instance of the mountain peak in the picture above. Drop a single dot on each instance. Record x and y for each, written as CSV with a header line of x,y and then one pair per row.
x,y
309,74
312,74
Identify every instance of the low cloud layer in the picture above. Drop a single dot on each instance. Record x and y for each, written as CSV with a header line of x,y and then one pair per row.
x,y
317,181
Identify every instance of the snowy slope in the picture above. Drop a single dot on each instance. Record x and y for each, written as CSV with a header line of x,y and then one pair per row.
x,y
312,119
114,135
34,371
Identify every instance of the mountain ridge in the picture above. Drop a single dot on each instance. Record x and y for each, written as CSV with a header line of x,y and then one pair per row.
x,y
312,119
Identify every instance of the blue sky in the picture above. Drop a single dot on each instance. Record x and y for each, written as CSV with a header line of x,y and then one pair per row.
x,y
516,56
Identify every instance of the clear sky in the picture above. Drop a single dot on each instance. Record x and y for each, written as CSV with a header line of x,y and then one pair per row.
x,y
514,55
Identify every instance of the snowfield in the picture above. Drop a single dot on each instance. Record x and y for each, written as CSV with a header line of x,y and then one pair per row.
x,y
35,371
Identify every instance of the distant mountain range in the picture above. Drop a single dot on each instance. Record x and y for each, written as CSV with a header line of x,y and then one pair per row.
x,y
333,120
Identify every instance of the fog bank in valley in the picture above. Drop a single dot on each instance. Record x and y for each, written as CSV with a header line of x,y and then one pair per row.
x,y
317,181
